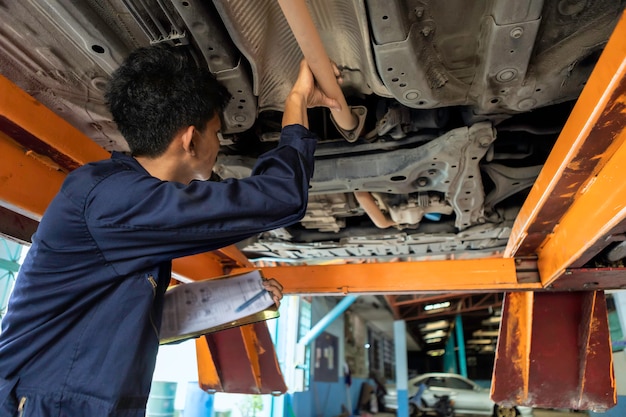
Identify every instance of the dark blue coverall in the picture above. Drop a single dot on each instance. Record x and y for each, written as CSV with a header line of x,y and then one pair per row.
x,y
81,334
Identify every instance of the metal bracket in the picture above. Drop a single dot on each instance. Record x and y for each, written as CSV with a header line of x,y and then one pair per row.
x,y
359,112
526,270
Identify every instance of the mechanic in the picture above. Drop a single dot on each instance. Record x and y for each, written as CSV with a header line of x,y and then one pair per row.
x,y
81,334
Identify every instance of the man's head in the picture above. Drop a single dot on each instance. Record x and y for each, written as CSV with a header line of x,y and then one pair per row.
x,y
157,92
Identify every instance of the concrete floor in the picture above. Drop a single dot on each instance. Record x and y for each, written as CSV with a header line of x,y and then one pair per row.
x,y
555,413
537,413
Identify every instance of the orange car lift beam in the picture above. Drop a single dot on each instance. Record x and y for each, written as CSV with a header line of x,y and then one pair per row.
x,y
554,349
476,275
590,138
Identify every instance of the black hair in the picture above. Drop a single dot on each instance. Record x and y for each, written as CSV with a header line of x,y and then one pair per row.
x,y
159,90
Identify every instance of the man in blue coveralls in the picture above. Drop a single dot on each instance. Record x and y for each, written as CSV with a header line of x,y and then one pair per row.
x,y
81,334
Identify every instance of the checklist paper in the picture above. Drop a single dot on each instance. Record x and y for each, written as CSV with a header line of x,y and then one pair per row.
x,y
201,307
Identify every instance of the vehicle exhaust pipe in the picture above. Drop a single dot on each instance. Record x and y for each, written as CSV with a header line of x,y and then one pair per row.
x,y
368,204
307,36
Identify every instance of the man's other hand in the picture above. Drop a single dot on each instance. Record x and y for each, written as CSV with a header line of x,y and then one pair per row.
x,y
275,288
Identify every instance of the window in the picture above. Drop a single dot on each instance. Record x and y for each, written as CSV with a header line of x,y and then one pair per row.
x,y
457,383
437,381
10,261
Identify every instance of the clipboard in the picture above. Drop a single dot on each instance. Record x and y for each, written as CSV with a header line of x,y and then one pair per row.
x,y
196,308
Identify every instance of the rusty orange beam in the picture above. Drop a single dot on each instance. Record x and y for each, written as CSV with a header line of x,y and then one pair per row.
x,y
41,130
595,212
513,350
261,374
588,140
234,254
197,267
475,275
14,226
208,375
554,351
38,148
27,184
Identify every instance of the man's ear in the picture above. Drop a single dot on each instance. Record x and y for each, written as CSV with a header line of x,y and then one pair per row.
x,y
187,137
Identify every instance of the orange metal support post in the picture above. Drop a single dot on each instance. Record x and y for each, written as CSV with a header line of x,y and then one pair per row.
x,y
554,351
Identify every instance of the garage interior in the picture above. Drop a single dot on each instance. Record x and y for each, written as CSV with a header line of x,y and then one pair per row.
x,y
539,318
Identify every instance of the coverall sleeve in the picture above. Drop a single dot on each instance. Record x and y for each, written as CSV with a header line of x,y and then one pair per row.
x,y
134,216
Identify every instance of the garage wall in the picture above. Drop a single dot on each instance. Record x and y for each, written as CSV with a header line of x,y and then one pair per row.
x,y
325,398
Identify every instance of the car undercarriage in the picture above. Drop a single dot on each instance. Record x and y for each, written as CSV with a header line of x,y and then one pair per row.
x,y
459,104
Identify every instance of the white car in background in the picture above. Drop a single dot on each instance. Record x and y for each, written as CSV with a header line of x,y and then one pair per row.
x,y
469,398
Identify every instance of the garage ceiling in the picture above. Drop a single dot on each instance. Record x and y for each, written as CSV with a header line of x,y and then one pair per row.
x,y
430,318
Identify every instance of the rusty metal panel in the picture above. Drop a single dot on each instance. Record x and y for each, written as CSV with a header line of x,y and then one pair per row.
x,y
591,279
260,374
554,351
510,377
16,227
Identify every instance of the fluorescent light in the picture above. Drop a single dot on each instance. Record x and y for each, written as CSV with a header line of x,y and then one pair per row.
x,y
479,342
485,333
436,325
434,340
431,335
487,349
492,320
437,306
437,352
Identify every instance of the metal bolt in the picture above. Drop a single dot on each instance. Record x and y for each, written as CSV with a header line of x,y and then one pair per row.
x,y
422,181
419,11
426,31
484,141
516,32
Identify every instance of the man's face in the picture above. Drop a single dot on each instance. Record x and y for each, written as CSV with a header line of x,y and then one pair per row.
x,y
207,147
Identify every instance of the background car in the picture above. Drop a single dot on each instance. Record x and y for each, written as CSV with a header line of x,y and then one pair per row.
x,y
469,397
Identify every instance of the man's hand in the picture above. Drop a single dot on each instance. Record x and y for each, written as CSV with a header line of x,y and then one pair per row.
x,y
307,87
275,288
304,94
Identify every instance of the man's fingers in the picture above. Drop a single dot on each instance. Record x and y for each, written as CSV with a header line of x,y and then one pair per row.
x,y
272,282
275,288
